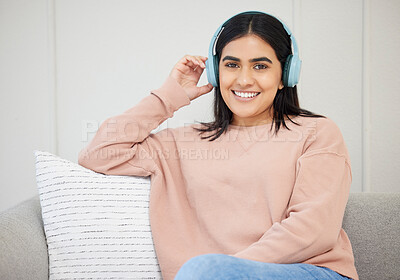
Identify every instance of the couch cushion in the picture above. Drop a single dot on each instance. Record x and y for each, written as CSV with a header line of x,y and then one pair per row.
x,y
97,226
372,222
23,251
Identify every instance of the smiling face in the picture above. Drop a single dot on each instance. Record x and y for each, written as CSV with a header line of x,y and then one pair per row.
x,y
250,75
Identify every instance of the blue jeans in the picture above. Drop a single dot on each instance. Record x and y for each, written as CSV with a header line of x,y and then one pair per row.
x,y
219,266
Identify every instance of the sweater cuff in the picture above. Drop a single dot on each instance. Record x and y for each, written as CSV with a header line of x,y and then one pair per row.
x,y
173,95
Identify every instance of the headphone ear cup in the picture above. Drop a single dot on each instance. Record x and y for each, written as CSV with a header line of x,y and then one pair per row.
x,y
212,71
291,71
286,70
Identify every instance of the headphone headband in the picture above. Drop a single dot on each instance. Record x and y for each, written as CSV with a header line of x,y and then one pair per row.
x,y
291,70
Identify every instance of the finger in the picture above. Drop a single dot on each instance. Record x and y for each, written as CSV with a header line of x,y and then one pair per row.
x,y
190,61
199,70
204,89
194,62
191,58
201,60
198,60
187,60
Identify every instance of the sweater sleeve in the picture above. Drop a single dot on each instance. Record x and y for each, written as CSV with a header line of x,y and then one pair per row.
x,y
124,145
315,211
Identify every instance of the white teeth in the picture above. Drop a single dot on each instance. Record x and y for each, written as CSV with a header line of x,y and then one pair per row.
x,y
246,94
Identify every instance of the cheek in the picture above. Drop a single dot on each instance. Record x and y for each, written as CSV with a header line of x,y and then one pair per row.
x,y
270,81
225,93
225,78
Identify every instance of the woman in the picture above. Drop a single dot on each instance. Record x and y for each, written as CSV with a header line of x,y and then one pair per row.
x,y
260,192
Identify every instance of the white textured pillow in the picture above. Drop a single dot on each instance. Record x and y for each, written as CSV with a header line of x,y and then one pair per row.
x,y
97,226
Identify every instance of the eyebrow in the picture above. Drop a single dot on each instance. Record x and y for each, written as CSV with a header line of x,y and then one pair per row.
x,y
228,57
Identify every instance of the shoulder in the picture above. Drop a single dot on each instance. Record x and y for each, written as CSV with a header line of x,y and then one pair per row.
x,y
323,135
315,126
320,127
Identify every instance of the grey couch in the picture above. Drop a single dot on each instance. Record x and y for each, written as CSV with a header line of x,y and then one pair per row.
x,y
372,221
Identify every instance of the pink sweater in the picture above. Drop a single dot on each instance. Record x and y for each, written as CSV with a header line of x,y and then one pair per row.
x,y
250,193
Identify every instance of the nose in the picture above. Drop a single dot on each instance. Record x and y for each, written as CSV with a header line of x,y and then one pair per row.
x,y
245,77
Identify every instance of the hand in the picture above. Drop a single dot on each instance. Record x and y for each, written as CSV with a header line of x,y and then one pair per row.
x,y
187,73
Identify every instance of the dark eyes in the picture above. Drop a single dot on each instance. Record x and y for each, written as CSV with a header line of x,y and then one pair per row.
x,y
260,66
231,65
256,66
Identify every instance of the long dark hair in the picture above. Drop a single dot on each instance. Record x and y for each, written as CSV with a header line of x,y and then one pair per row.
x,y
286,102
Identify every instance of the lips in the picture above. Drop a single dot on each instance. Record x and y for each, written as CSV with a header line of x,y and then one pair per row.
x,y
245,94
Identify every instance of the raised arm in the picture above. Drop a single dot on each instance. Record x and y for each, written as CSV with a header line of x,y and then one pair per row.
x,y
124,145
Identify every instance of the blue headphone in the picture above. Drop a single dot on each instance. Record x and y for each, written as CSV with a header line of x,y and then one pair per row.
x,y
291,70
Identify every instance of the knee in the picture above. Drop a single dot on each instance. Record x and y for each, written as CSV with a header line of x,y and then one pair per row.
x,y
202,267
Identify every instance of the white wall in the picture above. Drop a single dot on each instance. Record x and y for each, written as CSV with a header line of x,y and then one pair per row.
x,y
66,65
26,96
384,95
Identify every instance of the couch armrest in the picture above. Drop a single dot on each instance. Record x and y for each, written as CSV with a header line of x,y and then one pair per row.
x,y
372,222
23,249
